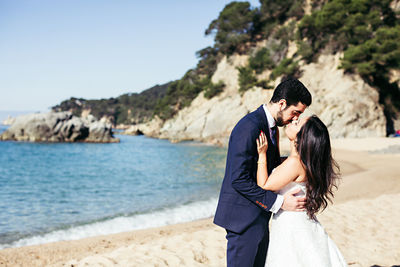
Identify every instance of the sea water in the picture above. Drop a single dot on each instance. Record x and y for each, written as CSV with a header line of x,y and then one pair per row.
x,y
63,191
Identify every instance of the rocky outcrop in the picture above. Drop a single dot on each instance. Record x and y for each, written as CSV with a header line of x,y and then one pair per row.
x,y
58,127
10,120
395,5
151,128
347,105
212,120
344,102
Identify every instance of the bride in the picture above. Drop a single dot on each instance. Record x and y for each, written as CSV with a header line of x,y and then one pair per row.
x,y
297,238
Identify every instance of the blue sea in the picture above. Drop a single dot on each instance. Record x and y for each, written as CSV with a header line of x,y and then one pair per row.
x,y
51,192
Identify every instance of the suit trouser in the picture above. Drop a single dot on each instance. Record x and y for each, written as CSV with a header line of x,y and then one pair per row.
x,y
248,248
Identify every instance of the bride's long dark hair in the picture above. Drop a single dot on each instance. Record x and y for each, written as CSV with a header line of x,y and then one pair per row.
x,y
314,148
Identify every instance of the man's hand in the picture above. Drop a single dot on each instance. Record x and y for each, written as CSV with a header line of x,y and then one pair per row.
x,y
293,203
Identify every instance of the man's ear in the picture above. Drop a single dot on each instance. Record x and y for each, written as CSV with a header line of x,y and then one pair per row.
x,y
282,104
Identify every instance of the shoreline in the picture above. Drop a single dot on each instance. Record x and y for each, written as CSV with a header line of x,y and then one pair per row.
x,y
364,207
167,216
57,252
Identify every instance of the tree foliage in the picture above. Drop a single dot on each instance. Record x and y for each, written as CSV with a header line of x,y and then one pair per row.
x,y
247,79
208,60
287,67
261,61
368,33
233,27
180,93
344,23
375,56
213,89
280,10
128,108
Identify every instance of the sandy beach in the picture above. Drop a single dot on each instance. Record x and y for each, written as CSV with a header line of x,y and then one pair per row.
x,y
363,221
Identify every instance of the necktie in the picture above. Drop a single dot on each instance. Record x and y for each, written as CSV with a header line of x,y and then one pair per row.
x,y
273,134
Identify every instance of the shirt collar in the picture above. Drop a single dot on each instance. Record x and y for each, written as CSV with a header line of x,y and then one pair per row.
x,y
271,120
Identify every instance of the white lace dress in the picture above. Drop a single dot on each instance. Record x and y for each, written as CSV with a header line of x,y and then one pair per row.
x,y
296,240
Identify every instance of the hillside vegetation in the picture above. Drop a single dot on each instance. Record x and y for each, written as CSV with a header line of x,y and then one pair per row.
x,y
130,108
366,32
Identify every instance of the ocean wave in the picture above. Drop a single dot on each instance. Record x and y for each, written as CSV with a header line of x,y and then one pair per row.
x,y
179,214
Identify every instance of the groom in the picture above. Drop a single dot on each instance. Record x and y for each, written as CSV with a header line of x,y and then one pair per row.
x,y
244,209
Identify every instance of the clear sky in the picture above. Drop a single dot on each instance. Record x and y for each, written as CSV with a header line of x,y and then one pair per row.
x,y
53,50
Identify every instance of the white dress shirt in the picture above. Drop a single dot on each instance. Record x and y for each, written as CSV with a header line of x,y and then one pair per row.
x,y
279,198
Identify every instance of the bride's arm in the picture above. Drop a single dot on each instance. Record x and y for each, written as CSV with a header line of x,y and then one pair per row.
x,y
282,175
285,173
262,171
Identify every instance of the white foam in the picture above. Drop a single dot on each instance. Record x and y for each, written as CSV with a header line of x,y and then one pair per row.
x,y
184,213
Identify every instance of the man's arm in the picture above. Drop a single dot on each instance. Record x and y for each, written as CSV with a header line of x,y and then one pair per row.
x,y
293,203
243,156
243,152
277,204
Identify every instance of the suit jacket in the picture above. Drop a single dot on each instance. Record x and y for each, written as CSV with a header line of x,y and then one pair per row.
x,y
241,200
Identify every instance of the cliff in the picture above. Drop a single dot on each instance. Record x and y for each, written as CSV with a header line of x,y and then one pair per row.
x,y
347,105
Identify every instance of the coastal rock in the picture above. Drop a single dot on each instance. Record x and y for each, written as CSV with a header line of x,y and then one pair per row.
x,y
151,128
58,127
344,102
98,130
228,73
133,130
10,120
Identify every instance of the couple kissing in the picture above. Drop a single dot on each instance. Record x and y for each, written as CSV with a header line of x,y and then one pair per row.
x,y
259,183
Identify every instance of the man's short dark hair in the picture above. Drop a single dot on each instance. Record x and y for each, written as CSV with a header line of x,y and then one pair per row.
x,y
293,91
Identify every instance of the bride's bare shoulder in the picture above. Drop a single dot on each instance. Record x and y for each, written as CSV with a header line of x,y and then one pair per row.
x,y
294,162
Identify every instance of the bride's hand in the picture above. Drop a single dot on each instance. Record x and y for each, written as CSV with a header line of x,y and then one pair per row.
x,y
262,143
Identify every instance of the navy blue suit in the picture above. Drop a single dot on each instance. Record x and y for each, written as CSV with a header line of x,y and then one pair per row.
x,y
243,206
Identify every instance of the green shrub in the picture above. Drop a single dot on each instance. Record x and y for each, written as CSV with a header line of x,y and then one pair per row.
x,y
305,51
286,33
212,89
286,67
278,10
261,61
247,79
376,56
208,60
353,21
181,93
265,84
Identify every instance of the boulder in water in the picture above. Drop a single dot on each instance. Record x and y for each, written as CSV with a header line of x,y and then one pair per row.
x,y
58,127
